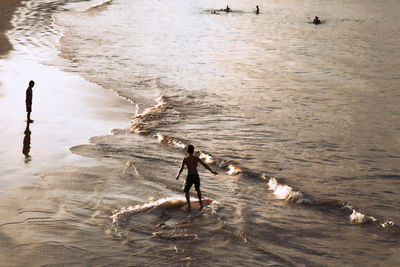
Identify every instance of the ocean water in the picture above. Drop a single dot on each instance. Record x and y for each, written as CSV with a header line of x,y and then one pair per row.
x,y
301,121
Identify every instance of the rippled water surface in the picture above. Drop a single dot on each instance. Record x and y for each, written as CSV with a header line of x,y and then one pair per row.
x,y
300,120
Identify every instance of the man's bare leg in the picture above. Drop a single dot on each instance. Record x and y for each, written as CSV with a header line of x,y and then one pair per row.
x,y
199,196
188,200
28,117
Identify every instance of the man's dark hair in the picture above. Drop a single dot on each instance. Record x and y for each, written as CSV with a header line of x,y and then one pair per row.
x,y
31,83
190,149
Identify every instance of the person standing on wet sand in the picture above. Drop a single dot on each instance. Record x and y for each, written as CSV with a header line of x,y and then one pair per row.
x,y
28,101
192,177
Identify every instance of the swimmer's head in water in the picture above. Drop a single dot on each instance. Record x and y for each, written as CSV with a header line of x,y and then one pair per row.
x,y
190,149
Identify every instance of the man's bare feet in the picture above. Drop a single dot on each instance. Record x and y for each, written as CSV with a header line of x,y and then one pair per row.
x,y
187,208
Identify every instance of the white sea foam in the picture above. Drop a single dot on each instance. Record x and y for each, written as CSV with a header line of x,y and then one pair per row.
x,y
140,121
125,212
160,137
233,170
206,157
98,4
170,141
282,191
358,217
160,102
387,224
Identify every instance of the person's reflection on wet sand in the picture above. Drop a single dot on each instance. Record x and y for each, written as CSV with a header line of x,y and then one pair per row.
x,y
27,143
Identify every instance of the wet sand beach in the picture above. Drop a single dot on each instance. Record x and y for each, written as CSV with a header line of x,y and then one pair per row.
x,y
67,110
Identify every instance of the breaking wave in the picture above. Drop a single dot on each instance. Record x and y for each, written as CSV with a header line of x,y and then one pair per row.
x,y
147,122
170,203
98,4
285,192
141,123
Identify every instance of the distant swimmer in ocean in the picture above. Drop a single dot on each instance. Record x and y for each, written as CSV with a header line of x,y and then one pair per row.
x,y
192,177
316,21
257,10
28,101
227,9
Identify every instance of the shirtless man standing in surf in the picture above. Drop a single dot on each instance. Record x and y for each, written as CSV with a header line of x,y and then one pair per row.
x,y
192,177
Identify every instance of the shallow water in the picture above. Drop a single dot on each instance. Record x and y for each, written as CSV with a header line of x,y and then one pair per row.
x,y
301,122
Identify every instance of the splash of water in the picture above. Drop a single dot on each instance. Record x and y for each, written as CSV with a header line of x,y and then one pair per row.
x,y
285,192
358,217
233,170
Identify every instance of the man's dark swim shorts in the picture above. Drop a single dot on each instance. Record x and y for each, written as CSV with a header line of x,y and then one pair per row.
x,y
28,107
192,178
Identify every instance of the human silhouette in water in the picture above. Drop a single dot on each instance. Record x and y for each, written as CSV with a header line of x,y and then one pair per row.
x,y
257,10
227,9
316,21
28,101
192,177
27,143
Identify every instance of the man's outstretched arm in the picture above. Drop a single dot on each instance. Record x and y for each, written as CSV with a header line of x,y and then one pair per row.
x,y
206,166
180,170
